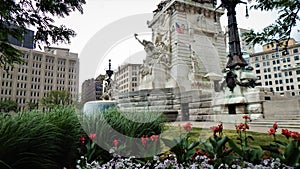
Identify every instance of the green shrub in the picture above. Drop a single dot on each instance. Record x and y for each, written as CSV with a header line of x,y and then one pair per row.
x,y
126,127
39,140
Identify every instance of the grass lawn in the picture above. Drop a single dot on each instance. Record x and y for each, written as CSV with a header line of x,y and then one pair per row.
x,y
203,134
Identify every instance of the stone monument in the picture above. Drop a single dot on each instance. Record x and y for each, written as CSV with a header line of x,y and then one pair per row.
x,y
187,53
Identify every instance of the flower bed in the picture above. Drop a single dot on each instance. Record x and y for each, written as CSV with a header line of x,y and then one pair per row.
x,y
219,151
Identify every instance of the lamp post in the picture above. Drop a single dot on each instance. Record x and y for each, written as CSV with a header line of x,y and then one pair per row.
x,y
109,73
235,56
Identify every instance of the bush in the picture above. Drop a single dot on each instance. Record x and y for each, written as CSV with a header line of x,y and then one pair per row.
x,y
40,140
126,128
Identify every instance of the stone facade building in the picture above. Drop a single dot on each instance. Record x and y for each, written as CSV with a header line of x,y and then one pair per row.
x,y
279,69
126,78
92,89
53,69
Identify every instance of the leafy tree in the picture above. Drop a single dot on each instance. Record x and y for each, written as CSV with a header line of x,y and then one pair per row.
x,y
288,11
56,98
17,15
8,106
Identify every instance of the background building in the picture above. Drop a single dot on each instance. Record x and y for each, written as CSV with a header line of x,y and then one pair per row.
x,y
27,40
127,77
92,89
279,69
54,69
88,92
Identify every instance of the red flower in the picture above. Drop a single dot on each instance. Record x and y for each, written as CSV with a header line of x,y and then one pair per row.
x,y
246,117
275,126
220,127
187,127
272,131
115,143
82,139
215,129
92,136
144,140
246,127
242,126
286,133
154,138
295,135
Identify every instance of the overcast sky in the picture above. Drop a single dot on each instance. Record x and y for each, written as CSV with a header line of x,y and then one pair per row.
x,y
93,27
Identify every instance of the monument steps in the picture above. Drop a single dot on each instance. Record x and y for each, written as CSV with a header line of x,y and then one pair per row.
x,y
268,123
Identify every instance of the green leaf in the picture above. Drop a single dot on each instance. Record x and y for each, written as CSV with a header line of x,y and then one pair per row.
x,y
193,145
235,148
221,143
292,153
250,137
169,143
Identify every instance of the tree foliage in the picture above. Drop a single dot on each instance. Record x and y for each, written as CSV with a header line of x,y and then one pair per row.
x,y
56,98
17,15
288,15
8,106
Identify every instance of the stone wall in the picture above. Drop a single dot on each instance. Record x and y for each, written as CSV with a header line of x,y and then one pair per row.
x,y
282,109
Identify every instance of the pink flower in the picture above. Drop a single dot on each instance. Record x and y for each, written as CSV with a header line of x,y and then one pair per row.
x,y
154,138
187,127
115,143
272,131
92,136
82,139
144,140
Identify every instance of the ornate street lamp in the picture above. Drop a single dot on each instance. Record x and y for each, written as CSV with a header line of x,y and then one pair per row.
x,y
109,73
235,56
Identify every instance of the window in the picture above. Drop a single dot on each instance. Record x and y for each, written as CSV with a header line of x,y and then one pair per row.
x,y
283,60
285,53
257,65
292,87
266,76
287,87
274,62
258,71
256,58
296,58
298,79
266,83
288,59
295,50
273,55
291,80
286,74
298,72
286,80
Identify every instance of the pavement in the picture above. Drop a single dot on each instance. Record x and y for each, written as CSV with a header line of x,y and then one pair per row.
x,y
231,126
